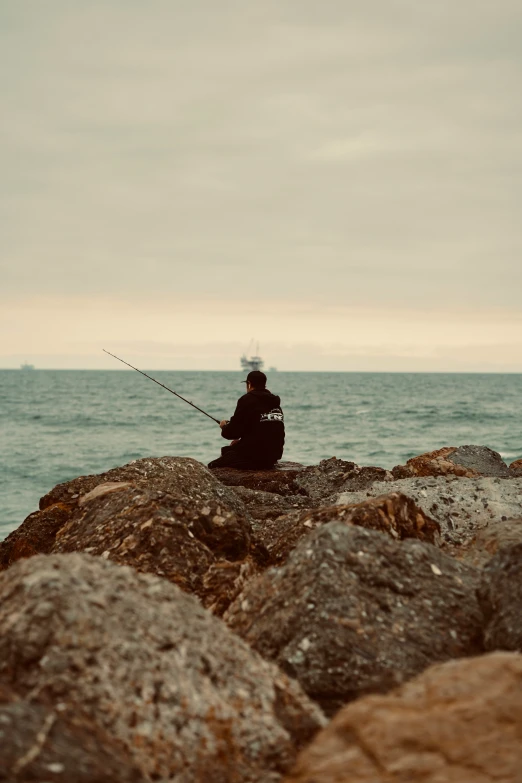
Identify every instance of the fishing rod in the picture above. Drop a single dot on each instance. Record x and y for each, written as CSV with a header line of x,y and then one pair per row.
x,y
161,384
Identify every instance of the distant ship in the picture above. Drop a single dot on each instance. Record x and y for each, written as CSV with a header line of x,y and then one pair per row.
x,y
26,366
252,362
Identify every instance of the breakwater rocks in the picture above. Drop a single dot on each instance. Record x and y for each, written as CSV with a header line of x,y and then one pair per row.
x,y
332,623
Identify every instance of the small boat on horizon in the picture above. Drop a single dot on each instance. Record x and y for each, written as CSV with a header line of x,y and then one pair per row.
x,y
26,366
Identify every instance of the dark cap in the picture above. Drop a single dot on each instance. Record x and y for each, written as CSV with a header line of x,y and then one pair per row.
x,y
256,378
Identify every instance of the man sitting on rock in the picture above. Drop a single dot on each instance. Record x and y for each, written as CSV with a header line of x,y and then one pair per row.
x,y
256,429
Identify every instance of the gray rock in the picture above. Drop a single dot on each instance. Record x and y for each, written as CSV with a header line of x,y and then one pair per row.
x,y
188,699
500,596
41,742
336,475
264,506
461,506
352,612
482,459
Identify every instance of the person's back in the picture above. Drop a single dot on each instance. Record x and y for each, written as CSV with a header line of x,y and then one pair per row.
x,y
257,428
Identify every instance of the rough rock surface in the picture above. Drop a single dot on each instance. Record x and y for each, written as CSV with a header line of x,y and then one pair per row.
x,y
35,535
269,505
516,468
487,541
188,699
336,475
482,459
41,742
281,479
161,534
181,477
459,722
352,612
500,596
395,514
461,506
465,461
223,582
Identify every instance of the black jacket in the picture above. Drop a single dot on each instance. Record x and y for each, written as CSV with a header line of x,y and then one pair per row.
x,y
259,422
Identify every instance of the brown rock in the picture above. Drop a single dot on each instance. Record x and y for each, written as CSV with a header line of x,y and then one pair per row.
x,y
336,475
516,468
42,742
432,463
187,698
35,534
281,479
161,534
500,596
395,514
464,461
283,528
223,582
178,476
352,612
458,722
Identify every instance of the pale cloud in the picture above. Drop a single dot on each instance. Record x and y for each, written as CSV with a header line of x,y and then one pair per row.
x,y
295,336
260,161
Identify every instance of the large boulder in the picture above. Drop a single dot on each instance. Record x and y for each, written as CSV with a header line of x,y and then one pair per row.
x,y
465,461
458,722
353,612
187,698
179,477
280,479
161,534
461,506
337,475
45,742
501,599
394,514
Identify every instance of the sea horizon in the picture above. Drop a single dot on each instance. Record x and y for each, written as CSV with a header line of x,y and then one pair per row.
x,y
266,371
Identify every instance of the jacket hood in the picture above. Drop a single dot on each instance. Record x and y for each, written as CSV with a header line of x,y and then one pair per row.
x,y
265,394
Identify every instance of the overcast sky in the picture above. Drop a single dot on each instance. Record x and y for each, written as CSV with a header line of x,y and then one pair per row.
x,y
340,180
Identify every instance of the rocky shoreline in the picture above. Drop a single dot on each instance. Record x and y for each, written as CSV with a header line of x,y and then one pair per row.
x,y
324,624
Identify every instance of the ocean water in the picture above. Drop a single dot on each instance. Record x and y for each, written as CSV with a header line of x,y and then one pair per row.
x,y
58,424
